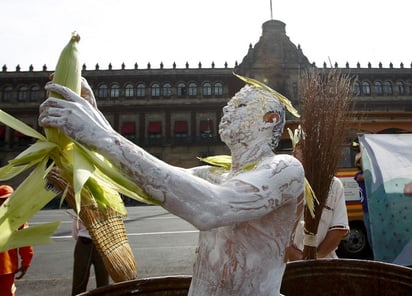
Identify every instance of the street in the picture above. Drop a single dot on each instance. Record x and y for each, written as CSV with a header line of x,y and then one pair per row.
x,y
162,243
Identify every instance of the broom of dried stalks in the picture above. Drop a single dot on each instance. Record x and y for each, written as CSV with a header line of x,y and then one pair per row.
x,y
325,107
106,228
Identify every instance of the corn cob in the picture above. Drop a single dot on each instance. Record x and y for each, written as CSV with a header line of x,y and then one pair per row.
x,y
67,73
87,191
90,178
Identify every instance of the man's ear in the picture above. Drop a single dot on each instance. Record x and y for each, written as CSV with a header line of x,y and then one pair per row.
x,y
271,117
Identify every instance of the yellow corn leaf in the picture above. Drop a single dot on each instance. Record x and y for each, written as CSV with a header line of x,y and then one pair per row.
x,y
119,182
82,170
31,236
292,138
310,198
105,195
20,126
224,161
34,153
8,172
27,200
285,101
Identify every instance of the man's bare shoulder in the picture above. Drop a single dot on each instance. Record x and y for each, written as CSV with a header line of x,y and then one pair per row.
x,y
283,160
282,168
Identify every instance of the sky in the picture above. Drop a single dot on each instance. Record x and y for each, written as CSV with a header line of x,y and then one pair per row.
x,y
33,32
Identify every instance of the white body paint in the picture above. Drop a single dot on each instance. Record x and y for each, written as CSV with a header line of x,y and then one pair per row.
x,y
245,217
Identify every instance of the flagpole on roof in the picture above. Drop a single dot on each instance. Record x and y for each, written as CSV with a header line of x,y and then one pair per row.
x,y
271,10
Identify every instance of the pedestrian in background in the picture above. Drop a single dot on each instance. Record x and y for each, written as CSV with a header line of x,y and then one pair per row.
x,y
86,255
359,178
333,224
9,260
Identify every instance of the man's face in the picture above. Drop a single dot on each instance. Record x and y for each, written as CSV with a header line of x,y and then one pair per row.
x,y
241,118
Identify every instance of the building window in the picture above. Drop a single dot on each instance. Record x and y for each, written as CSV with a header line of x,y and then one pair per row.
x,y
366,88
115,91
7,94
141,90
401,87
181,129
23,94
192,89
378,88
218,89
128,130
206,128
356,89
181,90
155,90
129,90
167,90
207,89
34,93
154,130
102,91
387,88
2,134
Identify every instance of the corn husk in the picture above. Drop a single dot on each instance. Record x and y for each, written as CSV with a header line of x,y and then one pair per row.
x,y
26,201
106,228
92,178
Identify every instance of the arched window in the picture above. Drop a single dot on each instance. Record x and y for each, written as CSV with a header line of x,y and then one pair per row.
x,y
155,92
141,90
115,91
366,88
34,93
7,94
192,89
23,94
401,88
207,89
218,89
356,89
181,90
167,90
129,90
387,88
378,88
102,91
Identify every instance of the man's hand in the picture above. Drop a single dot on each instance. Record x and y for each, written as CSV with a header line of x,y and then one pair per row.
x,y
74,115
22,270
407,190
87,93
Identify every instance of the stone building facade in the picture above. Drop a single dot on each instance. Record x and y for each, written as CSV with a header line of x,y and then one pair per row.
x,y
174,112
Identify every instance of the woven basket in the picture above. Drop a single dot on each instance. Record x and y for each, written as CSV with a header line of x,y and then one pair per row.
x,y
106,228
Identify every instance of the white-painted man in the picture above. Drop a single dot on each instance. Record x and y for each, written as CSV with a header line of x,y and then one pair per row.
x,y
245,217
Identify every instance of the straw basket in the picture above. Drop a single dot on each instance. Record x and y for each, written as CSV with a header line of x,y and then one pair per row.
x,y
107,230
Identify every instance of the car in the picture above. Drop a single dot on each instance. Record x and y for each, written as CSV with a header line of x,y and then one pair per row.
x,y
355,245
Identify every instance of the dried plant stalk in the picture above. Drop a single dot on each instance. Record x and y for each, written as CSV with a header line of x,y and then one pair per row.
x,y
325,107
106,228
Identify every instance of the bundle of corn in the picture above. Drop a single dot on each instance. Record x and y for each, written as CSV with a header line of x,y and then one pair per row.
x,y
92,180
106,228
326,104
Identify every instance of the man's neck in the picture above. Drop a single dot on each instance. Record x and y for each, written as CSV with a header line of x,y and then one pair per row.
x,y
244,157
